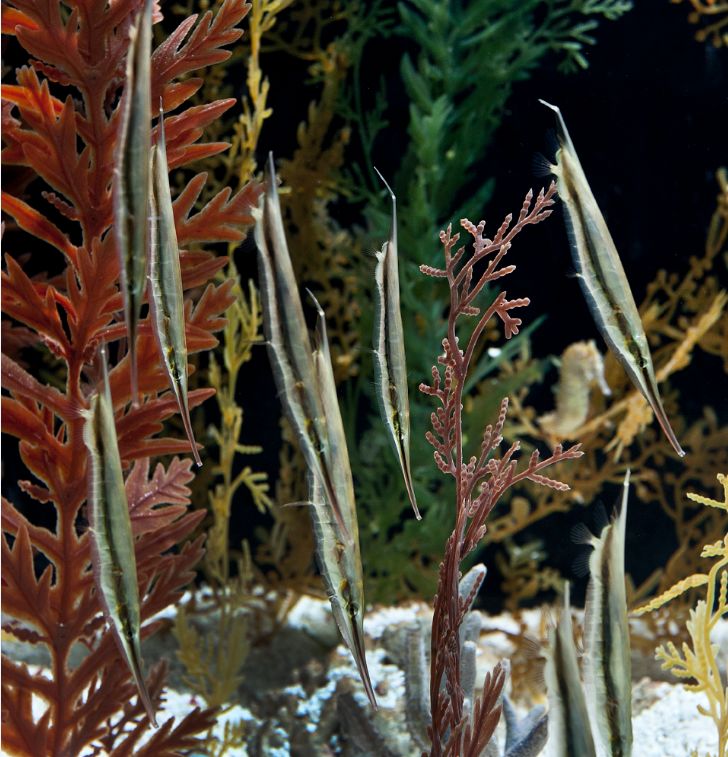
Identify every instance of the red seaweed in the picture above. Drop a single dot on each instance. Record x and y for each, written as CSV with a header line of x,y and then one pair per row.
x,y
68,145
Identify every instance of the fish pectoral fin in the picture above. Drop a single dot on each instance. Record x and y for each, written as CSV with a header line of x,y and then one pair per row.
x,y
300,503
541,165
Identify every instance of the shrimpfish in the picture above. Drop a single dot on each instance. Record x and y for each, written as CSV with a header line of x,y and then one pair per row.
x,y
390,365
305,380
602,276
166,298
289,347
340,563
112,540
131,179
608,674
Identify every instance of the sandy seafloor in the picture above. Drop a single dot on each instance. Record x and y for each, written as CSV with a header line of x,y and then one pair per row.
x,y
666,722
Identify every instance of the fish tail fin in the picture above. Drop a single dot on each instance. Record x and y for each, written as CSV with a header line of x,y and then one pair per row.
x,y
653,397
184,409
409,485
135,665
133,364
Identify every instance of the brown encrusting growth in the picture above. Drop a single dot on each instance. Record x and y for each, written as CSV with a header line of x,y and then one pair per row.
x,y
458,728
48,591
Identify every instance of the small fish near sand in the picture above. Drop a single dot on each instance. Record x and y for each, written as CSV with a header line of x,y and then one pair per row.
x,y
602,276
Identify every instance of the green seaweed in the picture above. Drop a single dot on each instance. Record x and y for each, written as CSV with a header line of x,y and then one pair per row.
x,y
458,84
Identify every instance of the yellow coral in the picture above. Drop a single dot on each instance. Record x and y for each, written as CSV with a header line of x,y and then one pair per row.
x,y
242,331
261,20
697,661
715,12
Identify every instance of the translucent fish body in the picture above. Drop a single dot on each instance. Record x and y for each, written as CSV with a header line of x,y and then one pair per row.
x,y
305,381
131,179
112,541
166,297
340,563
291,354
390,365
603,279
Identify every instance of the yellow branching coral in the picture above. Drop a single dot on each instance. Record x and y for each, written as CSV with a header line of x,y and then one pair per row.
x,y
324,253
261,20
213,661
697,660
286,550
714,15
524,576
242,331
238,163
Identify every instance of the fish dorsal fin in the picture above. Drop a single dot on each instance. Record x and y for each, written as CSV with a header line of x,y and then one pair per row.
x,y
393,230
562,131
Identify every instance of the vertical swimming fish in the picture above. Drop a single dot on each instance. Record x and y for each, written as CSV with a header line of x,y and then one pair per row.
x,y
568,720
608,675
390,366
602,277
166,297
340,562
306,385
131,179
290,351
112,540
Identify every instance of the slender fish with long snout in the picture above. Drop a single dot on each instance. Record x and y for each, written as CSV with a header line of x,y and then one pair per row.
x,y
602,276
111,535
390,365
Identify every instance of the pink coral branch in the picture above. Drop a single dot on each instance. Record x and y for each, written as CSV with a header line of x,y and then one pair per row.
x,y
452,730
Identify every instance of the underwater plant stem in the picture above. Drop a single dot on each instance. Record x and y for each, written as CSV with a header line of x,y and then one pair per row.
x,y
451,730
714,677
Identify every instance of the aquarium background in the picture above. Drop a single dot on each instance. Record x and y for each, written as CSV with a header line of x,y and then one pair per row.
x,y
647,117
645,103
648,120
